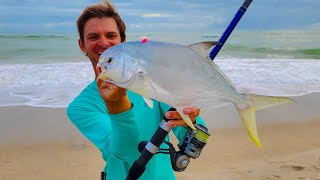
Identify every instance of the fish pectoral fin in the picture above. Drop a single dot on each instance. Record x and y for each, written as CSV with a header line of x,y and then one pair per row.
x,y
148,101
143,74
202,48
186,118
147,82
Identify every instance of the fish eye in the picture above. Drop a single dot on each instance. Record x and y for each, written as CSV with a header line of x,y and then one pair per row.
x,y
110,60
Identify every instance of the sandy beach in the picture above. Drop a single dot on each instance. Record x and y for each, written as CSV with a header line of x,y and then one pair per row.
x,y
41,143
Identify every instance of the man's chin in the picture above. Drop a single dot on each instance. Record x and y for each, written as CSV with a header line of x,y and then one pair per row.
x,y
94,60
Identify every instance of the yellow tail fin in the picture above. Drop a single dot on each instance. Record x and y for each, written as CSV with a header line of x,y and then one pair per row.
x,y
248,115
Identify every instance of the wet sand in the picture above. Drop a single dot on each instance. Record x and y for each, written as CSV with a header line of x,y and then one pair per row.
x,y
41,143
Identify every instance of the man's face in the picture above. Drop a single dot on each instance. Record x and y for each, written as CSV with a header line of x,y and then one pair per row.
x,y
99,35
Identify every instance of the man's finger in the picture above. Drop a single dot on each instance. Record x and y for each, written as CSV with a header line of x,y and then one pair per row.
x,y
172,115
112,93
191,111
175,123
98,69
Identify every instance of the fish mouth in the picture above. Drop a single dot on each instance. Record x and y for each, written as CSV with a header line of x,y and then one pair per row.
x,y
103,76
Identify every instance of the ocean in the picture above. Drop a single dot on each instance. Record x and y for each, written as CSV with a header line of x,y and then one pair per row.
x,y
50,70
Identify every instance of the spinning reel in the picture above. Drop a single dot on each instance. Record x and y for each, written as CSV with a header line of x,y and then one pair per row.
x,y
191,147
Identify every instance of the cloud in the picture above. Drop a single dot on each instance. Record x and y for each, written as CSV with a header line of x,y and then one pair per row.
x,y
34,28
59,24
164,15
157,15
34,11
315,25
135,26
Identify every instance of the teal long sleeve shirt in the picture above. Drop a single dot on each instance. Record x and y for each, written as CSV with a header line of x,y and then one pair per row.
x,y
117,135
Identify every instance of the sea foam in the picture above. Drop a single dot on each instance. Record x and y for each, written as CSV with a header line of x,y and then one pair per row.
x,y
56,84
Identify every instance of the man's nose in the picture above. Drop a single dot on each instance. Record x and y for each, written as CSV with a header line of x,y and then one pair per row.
x,y
103,41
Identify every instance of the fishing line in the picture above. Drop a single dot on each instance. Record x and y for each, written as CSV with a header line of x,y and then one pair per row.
x,y
263,22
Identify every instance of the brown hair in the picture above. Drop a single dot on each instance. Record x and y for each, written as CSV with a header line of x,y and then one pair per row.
x,y
100,10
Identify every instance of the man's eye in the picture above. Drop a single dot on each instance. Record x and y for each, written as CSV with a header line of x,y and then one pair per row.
x,y
93,37
111,36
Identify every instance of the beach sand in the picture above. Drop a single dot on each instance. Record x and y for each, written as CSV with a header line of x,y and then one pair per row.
x,y
41,143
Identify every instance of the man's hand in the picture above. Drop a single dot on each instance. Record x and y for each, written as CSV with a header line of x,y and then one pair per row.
x,y
115,97
176,120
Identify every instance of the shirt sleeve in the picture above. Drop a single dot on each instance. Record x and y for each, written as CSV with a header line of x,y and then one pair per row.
x,y
179,131
125,135
116,135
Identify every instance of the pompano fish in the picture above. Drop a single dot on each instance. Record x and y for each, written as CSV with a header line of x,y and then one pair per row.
x,y
179,76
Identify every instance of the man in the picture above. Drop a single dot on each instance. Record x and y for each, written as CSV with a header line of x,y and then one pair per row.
x,y
113,119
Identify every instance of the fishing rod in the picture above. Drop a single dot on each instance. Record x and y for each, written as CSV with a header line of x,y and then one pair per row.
x,y
191,147
229,29
194,140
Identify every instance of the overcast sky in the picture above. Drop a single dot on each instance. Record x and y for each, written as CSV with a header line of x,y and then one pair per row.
x,y
59,16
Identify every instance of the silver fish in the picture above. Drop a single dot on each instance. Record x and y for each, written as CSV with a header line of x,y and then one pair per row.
x,y
180,76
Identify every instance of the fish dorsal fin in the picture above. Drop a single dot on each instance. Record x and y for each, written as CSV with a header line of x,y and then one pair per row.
x,y
202,47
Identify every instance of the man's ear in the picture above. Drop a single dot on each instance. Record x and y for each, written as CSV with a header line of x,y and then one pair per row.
x,y
81,46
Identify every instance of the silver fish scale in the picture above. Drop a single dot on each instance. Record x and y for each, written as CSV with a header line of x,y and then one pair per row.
x,y
184,76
